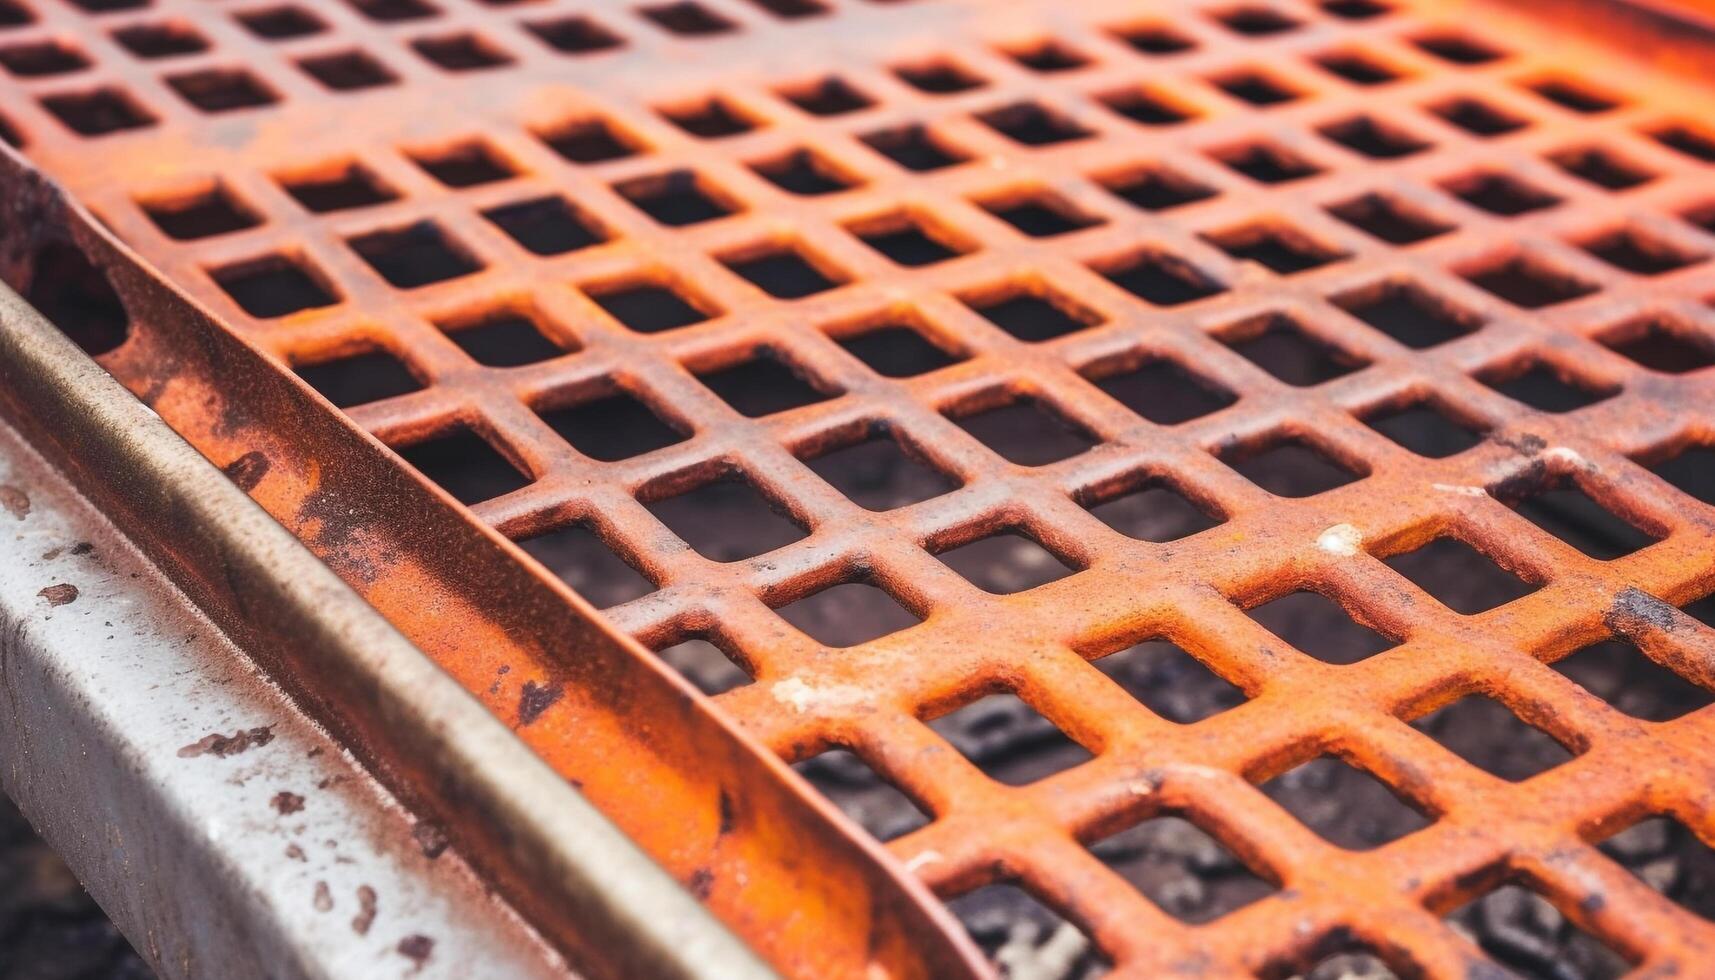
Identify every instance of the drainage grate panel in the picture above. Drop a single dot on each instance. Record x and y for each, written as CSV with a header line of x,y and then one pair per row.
x,y
823,314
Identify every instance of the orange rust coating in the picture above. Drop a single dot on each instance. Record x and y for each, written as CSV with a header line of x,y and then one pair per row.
x,y
871,698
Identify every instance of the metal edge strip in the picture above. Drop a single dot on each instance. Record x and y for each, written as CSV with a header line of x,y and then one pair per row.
x,y
628,915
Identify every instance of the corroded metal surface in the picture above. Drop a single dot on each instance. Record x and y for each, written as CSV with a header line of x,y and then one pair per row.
x,y
1326,213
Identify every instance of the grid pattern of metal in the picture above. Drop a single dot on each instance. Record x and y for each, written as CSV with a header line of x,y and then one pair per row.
x,y
957,232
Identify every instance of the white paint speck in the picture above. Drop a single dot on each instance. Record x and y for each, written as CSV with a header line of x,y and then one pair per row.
x,y
1341,539
1569,456
1461,490
923,860
803,698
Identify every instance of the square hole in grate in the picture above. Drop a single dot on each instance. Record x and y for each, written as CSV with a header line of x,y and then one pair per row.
x,y
9,134
1661,343
1320,627
1545,387
575,35
1459,576
1459,48
1356,9
1156,188
108,6
1373,138
1008,740
793,9
1389,219
764,384
1047,55
13,14
727,519
864,797
281,23
1562,508
687,18
1040,215
1289,466
1031,310
39,59
1696,143
465,465
1669,858
1256,87
909,239
1620,674
394,11
1345,805
1499,193
461,52
826,96
939,76
347,71
416,255
881,473
804,172
1601,167
337,187
360,378
589,140
1575,94
222,89
576,555
1154,510
1027,432
1004,917
676,198
1281,346
1359,67
546,225
1339,956
915,148
898,350
1160,278
1257,20
465,164
1691,469
1528,281
1409,313
1182,869
784,270
1702,610
171,39
273,286
848,614
1160,389
1145,105
710,118
1533,939
1640,252
1169,681
650,306
1478,117
1488,735
612,427
1425,428
99,111
706,664
211,212
1153,38
504,338
1280,248
1033,124
1005,562
1265,162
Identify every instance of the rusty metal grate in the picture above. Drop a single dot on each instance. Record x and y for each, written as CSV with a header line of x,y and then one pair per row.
x,y
1138,294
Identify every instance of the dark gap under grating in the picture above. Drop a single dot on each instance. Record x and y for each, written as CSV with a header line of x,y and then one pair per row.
x,y
417,255
1524,932
506,338
727,520
1620,674
348,71
1008,740
706,664
576,555
1562,508
897,351
783,272
1409,314
465,465
465,164
1161,279
1182,869
1459,576
1289,467
1389,219
1347,806
763,385
1027,432
1284,348
881,474
1005,562
546,226
675,198
1032,312
1161,390
1318,626
1425,429
1154,511
1167,680
273,286
648,307
360,379
804,172
848,614
862,795
1545,388
613,427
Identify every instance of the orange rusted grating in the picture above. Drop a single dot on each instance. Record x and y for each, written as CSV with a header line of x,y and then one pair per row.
x,y
1327,215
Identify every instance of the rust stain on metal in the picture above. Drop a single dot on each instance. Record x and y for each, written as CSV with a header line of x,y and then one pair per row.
x,y
221,746
15,501
1437,207
59,594
286,803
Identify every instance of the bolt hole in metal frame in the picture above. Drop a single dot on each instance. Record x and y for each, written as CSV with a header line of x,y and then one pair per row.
x,y
1410,194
